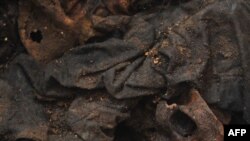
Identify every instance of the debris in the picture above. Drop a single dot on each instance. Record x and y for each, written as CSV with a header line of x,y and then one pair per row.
x,y
123,70
192,120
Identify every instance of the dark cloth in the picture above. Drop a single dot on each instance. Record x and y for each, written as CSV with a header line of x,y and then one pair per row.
x,y
200,43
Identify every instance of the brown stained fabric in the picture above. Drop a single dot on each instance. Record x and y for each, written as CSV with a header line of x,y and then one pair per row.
x,y
97,119
96,70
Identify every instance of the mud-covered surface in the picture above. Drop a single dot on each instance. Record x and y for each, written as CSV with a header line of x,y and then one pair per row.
x,y
123,70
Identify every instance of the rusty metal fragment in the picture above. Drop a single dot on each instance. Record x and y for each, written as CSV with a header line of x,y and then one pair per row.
x,y
190,121
47,31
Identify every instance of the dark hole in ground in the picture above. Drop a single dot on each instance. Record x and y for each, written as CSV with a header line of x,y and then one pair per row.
x,y
182,123
125,133
36,36
107,131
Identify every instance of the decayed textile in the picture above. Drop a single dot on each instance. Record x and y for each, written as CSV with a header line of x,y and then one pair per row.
x,y
127,67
